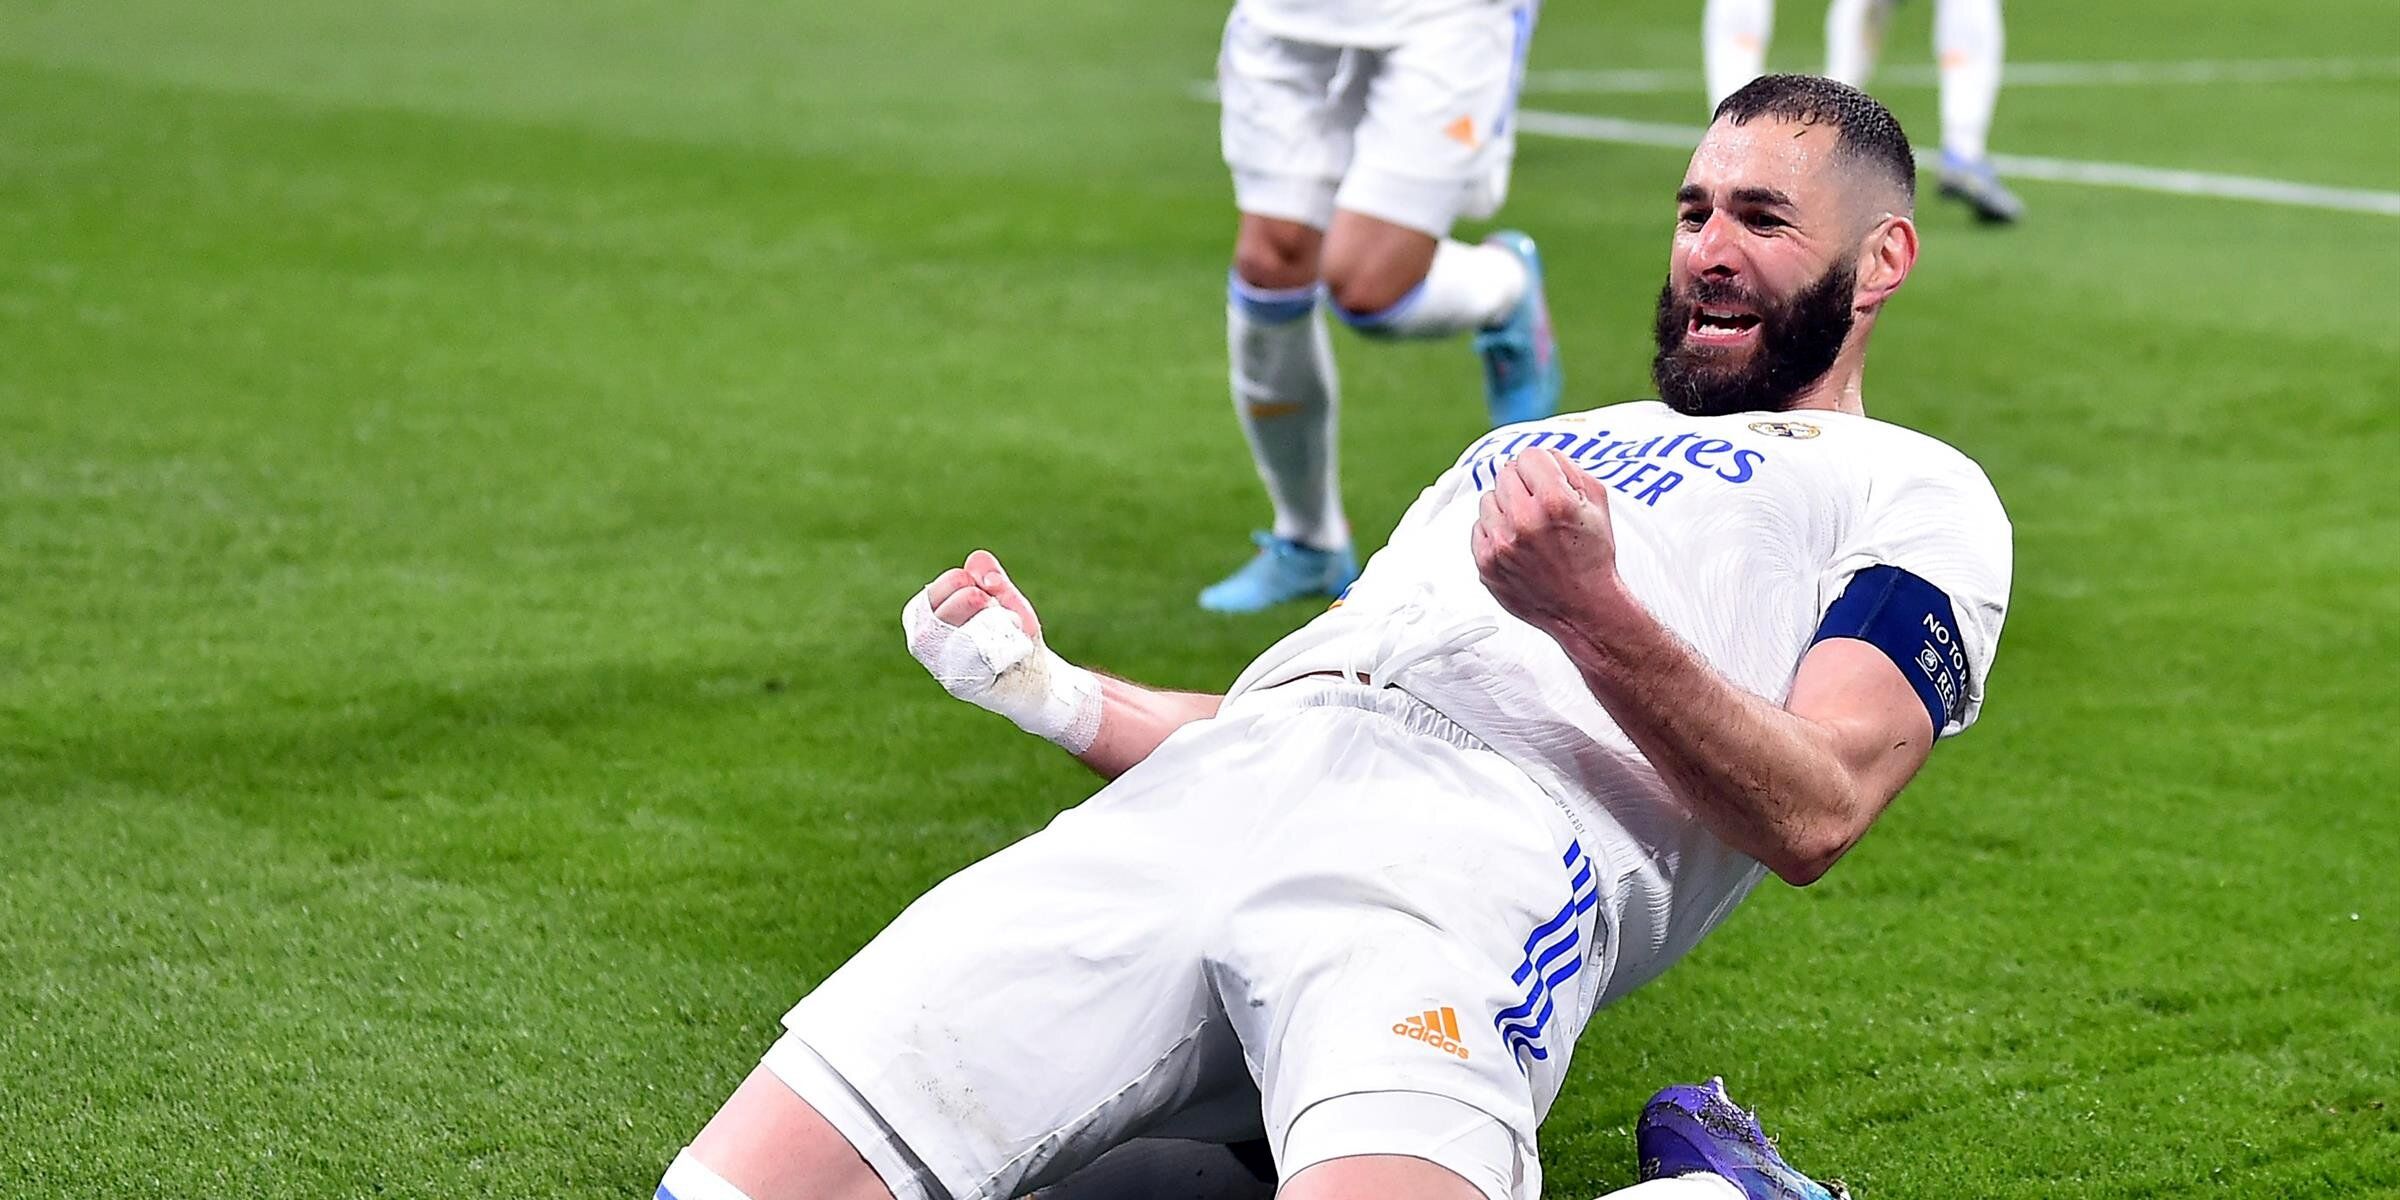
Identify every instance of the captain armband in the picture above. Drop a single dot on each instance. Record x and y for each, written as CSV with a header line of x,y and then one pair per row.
x,y
1911,621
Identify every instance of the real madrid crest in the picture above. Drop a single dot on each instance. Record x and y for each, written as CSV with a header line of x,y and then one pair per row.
x,y
1799,430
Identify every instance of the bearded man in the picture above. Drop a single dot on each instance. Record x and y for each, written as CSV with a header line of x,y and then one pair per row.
x,y
1612,670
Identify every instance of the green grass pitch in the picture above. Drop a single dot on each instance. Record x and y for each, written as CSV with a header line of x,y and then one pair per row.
x,y
461,464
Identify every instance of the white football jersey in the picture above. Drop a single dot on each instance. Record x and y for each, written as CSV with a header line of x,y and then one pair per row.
x,y
1367,24
1737,532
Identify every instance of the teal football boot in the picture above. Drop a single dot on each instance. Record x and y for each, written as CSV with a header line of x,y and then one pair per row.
x,y
1281,570
1521,376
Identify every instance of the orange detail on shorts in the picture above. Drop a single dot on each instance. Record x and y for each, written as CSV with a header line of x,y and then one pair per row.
x,y
1461,131
1436,1027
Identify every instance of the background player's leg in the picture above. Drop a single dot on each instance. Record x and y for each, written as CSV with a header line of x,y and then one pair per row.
x,y
1388,280
1435,145
1285,394
767,1144
1733,44
1287,112
1854,38
1967,39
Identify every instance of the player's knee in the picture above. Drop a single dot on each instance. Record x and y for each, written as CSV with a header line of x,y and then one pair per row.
x,y
1276,254
688,1178
1371,265
1366,290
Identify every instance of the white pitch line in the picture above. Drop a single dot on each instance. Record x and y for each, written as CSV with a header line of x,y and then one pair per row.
x,y
1609,129
1620,131
2199,183
2193,72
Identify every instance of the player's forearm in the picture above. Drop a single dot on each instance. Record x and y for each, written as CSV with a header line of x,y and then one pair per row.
x,y
1135,719
1764,781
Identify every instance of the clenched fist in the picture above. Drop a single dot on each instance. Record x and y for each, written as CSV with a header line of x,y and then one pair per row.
x,y
978,636
1543,541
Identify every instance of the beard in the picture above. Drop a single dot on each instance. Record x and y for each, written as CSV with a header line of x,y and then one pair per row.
x,y
1799,337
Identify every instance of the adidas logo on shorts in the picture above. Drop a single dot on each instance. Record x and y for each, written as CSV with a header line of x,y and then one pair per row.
x,y
1436,1027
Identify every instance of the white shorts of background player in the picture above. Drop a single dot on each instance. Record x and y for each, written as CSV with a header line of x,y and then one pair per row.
x,y
1420,133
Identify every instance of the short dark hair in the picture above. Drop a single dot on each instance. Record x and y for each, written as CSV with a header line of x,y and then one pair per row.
x,y
1864,130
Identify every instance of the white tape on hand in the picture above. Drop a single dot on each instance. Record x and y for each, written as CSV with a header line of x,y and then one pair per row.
x,y
991,663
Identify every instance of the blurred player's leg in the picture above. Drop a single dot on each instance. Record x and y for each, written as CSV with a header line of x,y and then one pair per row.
x,y
1854,38
1733,44
1388,280
1288,111
1286,397
1968,41
1436,144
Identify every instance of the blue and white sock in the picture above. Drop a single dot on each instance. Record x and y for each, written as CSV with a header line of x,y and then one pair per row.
x,y
1467,287
1288,400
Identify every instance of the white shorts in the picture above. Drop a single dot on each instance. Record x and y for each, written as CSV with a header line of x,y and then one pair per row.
x,y
1419,134
1327,917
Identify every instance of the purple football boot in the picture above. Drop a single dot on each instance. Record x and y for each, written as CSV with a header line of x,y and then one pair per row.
x,y
1695,1127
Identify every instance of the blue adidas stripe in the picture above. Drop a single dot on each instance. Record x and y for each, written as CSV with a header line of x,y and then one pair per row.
x,y
1533,1028
1521,1025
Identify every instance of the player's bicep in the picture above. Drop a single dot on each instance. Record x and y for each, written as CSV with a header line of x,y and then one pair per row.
x,y
1886,674
1873,720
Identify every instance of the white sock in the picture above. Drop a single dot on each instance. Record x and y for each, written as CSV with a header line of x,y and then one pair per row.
x,y
1680,1187
687,1179
1289,404
1733,44
1854,37
1967,41
1467,287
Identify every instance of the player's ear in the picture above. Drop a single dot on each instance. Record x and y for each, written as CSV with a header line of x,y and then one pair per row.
x,y
1886,255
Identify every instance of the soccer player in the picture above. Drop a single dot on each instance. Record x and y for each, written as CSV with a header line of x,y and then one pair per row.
x,y
1357,132
1967,43
1611,670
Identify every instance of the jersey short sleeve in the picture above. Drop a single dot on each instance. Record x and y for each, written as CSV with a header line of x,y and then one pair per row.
x,y
1941,524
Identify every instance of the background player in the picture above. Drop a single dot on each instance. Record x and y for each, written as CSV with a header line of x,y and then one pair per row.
x,y
1968,43
1610,670
1357,132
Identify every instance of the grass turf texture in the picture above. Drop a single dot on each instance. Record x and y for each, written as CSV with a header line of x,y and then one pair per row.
x,y
462,468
